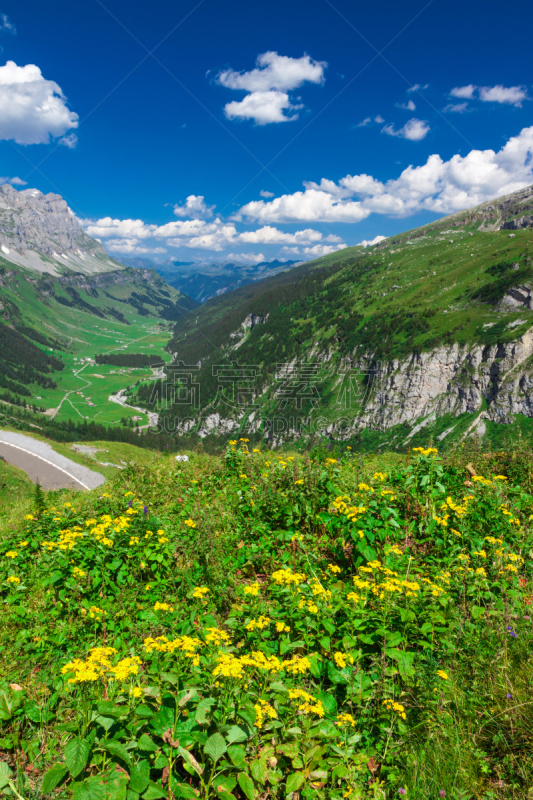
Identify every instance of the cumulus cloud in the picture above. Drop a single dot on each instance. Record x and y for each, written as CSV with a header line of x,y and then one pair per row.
x,y
13,181
132,247
466,92
365,122
268,86
439,186
370,242
69,141
414,130
409,106
194,207
458,108
129,235
248,258
264,193
315,251
511,95
32,109
275,72
263,108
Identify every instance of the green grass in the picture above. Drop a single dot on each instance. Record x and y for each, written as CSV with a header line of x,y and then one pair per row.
x,y
451,648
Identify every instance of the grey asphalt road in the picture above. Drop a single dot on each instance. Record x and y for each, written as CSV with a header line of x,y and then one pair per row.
x,y
41,463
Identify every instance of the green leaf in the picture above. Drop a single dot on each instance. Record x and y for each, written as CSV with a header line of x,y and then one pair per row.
x,y
202,709
77,755
147,744
105,722
190,759
144,712
53,777
182,790
5,774
140,776
91,789
289,749
154,793
215,747
237,753
236,734
405,661
133,795
294,781
259,770
247,785
328,701
5,706
117,786
108,709
118,750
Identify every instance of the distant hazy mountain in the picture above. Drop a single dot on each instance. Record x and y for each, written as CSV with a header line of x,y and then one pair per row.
x,y
204,281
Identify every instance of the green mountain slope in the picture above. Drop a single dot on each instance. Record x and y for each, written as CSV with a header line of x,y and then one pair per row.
x,y
460,285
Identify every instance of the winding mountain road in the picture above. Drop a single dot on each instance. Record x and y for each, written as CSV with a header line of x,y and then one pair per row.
x,y
42,464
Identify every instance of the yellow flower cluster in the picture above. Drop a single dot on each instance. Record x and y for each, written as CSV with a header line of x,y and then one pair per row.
x,y
342,505
308,704
392,705
13,580
217,637
187,645
286,577
259,624
253,589
99,665
163,607
341,659
231,666
428,451
345,719
262,710
200,592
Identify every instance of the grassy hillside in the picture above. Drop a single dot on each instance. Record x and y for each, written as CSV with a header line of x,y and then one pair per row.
x,y
51,327
265,625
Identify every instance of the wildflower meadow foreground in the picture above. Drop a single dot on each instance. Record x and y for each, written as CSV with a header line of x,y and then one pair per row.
x,y
264,625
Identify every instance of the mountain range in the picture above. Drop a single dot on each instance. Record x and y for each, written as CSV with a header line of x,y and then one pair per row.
x,y
429,331
204,281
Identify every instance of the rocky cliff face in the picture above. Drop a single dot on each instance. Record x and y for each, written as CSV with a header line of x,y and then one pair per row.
x,y
40,232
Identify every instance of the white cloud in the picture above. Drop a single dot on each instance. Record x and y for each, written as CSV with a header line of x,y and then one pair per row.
x,y
275,72
379,119
269,235
127,228
416,87
6,25
513,95
458,108
465,92
248,258
194,207
409,106
268,84
264,193
69,141
312,252
370,242
13,181
364,123
414,130
439,186
131,247
32,109
262,107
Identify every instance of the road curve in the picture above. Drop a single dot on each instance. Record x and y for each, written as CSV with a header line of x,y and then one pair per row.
x,y
41,463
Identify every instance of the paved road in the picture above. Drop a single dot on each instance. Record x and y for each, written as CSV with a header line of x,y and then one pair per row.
x,y
41,463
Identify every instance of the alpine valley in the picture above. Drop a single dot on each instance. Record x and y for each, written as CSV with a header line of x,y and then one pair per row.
x,y
65,305
426,334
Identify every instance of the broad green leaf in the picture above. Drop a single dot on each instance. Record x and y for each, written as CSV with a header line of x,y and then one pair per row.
x,y
247,785
77,755
237,754
182,790
236,734
147,744
259,770
5,774
154,793
105,722
162,721
108,709
140,776
190,759
5,706
202,709
53,777
215,747
294,781
118,750
117,786
144,712
289,749
404,659
328,701
91,789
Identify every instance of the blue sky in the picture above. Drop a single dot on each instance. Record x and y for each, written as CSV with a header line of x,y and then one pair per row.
x,y
294,128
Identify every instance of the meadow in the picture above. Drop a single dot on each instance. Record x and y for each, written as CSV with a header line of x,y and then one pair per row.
x,y
272,624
